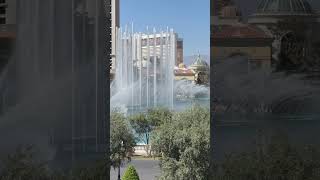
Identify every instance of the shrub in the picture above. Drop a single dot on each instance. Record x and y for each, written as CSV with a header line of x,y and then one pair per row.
x,y
130,174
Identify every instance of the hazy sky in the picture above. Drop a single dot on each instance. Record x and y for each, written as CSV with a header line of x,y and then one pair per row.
x,y
189,18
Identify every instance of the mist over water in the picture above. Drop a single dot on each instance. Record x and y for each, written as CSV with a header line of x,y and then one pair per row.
x,y
41,117
238,89
248,103
188,89
30,120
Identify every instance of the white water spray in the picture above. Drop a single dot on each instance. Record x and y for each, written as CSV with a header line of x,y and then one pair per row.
x,y
144,76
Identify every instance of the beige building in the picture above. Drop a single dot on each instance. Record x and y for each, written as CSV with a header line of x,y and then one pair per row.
x,y
269,14
160,46
183,73
230,37
261,39
198,71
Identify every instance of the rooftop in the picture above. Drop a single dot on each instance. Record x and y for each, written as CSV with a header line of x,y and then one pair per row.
x,y
284,7
199,64
243,31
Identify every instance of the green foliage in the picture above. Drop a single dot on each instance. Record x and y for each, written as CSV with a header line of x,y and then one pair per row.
x,y
276,160
96,170
130,174
144,124
23,165
122,140
183,143
159,115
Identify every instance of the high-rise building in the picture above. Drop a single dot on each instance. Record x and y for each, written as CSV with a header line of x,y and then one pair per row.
x,y
179,51
144,48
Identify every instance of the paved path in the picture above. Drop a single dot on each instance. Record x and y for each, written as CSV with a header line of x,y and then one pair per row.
x,y
147,169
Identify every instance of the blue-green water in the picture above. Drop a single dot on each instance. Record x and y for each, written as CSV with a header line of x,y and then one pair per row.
x,y
237,133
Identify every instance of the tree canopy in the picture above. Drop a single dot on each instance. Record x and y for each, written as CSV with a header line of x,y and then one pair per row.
x,y
122,140
130,174
276,160
183,143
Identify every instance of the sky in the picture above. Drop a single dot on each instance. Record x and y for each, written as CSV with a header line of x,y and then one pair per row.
x,y
189,18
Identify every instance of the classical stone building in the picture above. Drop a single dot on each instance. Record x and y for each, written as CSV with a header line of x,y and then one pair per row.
x,y
230,37
285,21
183,73
198,71
273,31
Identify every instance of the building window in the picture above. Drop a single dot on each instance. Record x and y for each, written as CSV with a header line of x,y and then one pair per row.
x,y
2,10
2,20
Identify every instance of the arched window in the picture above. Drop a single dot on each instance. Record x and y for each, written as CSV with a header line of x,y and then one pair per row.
x,y
291,49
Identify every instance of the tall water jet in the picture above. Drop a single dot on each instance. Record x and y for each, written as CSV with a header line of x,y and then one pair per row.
x,y
57,83
144,75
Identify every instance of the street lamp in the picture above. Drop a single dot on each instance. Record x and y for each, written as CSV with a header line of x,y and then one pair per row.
x,y
120,160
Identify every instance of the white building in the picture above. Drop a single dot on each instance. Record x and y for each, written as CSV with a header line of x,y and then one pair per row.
x,y
157,45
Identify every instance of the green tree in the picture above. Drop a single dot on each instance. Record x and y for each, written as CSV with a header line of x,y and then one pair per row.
x,y
144,124
22,164
122,140
96,170
275,160
130,174
183,144
159,115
